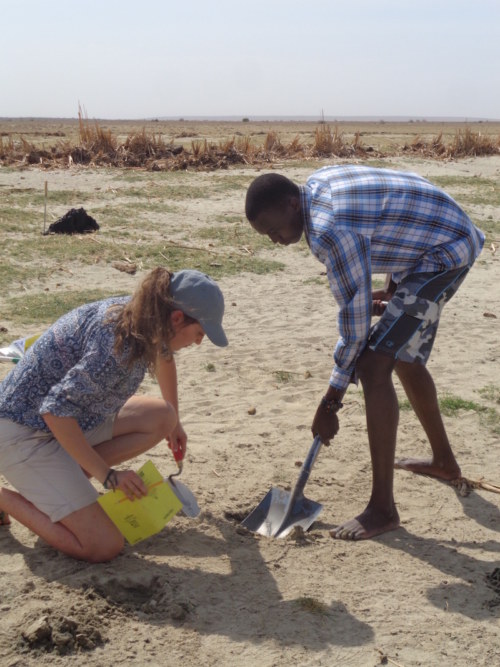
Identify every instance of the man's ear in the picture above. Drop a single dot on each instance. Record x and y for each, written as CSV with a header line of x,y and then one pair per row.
x,y
295,203
177,319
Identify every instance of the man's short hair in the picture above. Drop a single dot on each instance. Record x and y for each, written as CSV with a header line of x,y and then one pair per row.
x,y
268,191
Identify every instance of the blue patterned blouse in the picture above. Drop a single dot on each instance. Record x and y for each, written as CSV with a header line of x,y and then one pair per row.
x,y
71,371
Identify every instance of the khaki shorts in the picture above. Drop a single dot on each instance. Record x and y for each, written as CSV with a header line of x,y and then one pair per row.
x,y
36,465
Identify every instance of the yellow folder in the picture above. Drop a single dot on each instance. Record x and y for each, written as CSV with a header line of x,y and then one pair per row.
x,y
142,517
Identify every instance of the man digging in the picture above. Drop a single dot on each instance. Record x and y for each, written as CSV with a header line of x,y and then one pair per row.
x,y
359,221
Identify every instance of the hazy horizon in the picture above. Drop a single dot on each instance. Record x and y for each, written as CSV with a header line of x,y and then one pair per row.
x,y
123,60
269,118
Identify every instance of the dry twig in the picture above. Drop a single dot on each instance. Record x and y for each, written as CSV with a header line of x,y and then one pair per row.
x,y
465,485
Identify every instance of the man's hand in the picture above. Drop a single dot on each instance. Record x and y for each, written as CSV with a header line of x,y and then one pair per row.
x,y
380,297
378,306
325,424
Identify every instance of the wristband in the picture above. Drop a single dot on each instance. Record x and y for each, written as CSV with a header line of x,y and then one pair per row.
x,y
331,404
111,481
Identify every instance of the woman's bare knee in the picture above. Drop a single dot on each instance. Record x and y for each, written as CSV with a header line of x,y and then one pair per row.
x,y
98,537
162,420
143,414
105,551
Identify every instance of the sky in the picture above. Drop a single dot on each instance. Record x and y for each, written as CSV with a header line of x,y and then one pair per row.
x,y
139,59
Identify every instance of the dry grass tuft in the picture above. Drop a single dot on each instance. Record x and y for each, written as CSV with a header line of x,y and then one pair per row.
x,y
473,144
94,139
465,143
328,143
97,146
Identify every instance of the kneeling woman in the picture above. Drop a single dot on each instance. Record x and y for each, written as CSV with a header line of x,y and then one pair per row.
x,y
68,410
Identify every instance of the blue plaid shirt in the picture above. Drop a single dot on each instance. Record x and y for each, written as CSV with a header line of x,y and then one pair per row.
x,y
359,221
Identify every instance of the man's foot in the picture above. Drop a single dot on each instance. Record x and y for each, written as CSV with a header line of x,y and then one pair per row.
x,y
368,524
4,518
446,472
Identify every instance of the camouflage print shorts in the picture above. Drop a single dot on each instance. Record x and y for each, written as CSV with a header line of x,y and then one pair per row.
x,y
408,326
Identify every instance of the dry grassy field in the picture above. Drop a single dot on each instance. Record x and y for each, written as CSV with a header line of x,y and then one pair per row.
x,y
204,591
385,138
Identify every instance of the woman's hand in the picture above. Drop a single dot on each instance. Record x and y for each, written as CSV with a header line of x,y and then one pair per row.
x,y
127,481
177,441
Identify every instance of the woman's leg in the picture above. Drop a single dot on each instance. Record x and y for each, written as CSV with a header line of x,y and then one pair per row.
x,y
87,534
140,425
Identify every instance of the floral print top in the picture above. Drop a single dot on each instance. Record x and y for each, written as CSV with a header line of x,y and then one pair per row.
x,y
72,371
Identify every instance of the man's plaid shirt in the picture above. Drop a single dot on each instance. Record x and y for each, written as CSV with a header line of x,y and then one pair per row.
x,y
359,221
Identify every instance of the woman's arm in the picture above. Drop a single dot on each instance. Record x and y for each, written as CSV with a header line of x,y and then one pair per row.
x,y
166,374
70,436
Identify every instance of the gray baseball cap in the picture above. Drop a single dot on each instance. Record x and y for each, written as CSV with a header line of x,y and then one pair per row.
x,y
199,296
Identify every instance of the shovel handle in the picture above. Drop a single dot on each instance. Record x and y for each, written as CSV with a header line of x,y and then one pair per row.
x,y
305,471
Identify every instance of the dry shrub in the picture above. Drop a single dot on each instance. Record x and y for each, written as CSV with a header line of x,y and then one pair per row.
x,y
245,146
433,148
295,147
466,143
33,154
98,146
100,142
472,144
140,148
140,144
6,147
227,146
328,143
198,147
272,144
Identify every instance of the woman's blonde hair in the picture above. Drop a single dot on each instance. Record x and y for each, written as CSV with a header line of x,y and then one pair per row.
x,y
143,328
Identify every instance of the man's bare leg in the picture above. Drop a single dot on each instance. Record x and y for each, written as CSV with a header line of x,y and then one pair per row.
x,y
421,391
382,415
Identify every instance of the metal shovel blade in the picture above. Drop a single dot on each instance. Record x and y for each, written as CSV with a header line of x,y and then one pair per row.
x,y
184,494
271,517
280,511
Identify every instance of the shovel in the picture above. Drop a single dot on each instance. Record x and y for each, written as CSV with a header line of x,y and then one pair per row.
x,y
189,505
280,511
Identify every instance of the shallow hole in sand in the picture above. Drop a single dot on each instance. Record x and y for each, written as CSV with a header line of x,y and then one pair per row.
x,y
238,517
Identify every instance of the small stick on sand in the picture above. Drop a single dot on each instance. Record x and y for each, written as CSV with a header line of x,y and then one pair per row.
x,y
45,207
465,485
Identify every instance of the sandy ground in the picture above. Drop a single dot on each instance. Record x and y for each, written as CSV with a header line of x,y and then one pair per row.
x,y
204,591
